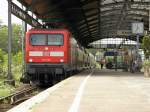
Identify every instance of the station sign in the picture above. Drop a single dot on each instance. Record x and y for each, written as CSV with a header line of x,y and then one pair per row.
x,y
18,12
138,28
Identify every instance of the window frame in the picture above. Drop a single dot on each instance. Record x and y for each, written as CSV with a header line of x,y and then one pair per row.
x,y
46,38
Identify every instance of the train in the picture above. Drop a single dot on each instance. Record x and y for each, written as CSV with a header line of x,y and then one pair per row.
x,y
53,54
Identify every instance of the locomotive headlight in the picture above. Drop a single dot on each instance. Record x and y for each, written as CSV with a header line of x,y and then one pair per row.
x,y
30,60
61,60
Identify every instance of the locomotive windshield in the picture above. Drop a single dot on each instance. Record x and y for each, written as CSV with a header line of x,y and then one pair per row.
x,y
55,39
47,39
38,39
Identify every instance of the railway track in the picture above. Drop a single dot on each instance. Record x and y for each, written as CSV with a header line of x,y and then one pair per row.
x,y
14,99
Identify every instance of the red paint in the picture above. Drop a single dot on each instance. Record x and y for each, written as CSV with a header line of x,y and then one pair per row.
x,y
46,58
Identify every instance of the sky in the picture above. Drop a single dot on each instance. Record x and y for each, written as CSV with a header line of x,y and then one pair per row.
x,y
4,13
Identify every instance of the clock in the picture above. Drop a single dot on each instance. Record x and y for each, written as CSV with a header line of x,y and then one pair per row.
x,y
137,28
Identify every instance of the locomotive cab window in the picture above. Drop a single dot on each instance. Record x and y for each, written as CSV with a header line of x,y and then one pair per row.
x,y
55,39
47,39
38,39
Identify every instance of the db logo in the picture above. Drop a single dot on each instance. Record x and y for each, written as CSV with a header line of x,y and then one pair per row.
x,y
46,48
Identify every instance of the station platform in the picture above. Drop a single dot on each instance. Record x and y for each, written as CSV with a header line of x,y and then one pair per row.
x,y
93,91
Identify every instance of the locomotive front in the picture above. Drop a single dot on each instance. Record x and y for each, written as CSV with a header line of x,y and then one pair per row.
x,y
46,54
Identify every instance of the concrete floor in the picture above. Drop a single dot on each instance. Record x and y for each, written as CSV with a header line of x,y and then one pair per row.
x,y
104,91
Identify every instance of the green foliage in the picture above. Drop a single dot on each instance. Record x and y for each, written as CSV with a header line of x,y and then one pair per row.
x,y
1,61
5,89
109,58
146,63
146,46
3,38
5,64
1,56
16,57
16,37
17,63
16,72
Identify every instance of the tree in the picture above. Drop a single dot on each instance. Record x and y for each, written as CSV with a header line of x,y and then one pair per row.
x,y
146,46
3,37
16,38
0,22
1,60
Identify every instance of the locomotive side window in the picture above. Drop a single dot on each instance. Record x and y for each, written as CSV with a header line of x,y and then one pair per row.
x,y
55,39
38,39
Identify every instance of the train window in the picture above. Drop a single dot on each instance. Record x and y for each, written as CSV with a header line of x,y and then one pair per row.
x,y
47,39
55,39
38,39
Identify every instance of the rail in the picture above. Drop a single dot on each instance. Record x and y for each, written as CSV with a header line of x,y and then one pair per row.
x,y
18,96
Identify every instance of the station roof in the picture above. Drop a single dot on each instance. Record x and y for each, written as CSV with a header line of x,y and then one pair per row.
x,y
92,20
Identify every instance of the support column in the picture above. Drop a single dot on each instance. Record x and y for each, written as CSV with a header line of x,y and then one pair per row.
x,y
9,75
137,46
149,20
24,29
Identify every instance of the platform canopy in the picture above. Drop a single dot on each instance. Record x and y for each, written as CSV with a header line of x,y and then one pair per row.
x,y
92,20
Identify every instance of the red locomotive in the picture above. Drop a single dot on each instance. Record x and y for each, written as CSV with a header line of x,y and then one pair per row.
x,y
53,54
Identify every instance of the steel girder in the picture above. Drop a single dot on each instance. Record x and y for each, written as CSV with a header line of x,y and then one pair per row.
x,y
17,11
92,19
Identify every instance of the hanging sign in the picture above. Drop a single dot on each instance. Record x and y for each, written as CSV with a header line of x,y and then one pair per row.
x,y
137,28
